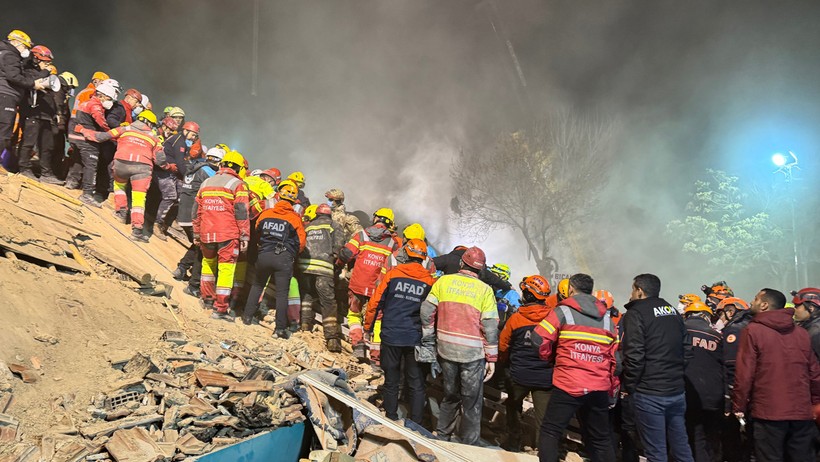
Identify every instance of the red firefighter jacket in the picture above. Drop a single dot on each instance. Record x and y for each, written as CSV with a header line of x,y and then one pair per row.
x,y
582,338
221,209
137,143
370,247
91,115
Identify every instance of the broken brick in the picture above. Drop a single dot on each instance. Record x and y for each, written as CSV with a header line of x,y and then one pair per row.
x,y
24,372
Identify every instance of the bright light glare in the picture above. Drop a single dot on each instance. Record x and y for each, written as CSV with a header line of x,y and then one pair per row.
x,y
779,159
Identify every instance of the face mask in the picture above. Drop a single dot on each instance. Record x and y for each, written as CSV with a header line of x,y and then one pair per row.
x,y
189,143
680,308
136,111
330,202
25,53
108,104
70,93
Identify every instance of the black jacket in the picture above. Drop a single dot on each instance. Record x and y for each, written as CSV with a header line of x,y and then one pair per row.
x,y
45,107
813,326
704,372
199,172
731,336
656,347
176,152
13,81
450,263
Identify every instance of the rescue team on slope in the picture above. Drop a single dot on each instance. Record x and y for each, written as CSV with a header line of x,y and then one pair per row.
x,y
718,379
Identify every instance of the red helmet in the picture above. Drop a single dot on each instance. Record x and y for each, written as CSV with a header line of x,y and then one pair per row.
x,y
537,285
606,297
323,209
273,173
134,93
170,123
807,295
42,53
191,126
416,248
474,258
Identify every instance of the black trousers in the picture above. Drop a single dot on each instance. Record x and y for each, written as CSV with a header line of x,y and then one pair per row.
x,y
37,132
8,112
593,410
280,269
319,289
392,358
778,440
703,428
192,259
84,170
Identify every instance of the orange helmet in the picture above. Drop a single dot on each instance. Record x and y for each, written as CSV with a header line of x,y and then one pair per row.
x,y
606,297
537,285
288,191
415,248
738,303
697,307
687,299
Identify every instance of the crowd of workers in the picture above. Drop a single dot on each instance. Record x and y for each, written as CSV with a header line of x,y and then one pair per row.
x,y
713,379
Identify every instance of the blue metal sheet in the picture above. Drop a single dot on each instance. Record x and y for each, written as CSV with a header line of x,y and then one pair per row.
x,y
283,444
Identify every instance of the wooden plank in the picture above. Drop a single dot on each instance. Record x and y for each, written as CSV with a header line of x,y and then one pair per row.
x,y
133,445
129,270
38,254
106,428
165,378
249,386
5,402
28,182
208,378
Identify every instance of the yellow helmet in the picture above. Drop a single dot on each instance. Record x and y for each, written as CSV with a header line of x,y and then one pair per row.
x,y
298,178
695,307
176,111
147,116
21,37
563,289
310,212
233,160
386,216
414,231
288,191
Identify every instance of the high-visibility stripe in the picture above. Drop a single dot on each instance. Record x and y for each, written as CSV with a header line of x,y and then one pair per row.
x,y
312,227
588,336
376,249
147,138
459,339
546,325
217,194
242,194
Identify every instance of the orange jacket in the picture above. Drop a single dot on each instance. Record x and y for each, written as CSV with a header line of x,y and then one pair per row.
x,y
515,346
84,95
221,209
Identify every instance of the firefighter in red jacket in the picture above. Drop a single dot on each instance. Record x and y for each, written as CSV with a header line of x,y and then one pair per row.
x,y
138,150
370,247
581,337
222,228
398,298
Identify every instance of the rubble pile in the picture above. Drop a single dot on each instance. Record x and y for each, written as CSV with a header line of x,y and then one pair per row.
x,y
182,399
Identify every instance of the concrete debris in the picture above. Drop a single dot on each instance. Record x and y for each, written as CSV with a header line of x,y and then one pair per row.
x,y
28,375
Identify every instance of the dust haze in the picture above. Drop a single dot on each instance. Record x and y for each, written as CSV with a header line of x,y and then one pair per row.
x,y
376,97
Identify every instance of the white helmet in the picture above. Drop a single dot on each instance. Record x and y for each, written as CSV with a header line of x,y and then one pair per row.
x,y
256,172
107,89
216,153
145,101
115,84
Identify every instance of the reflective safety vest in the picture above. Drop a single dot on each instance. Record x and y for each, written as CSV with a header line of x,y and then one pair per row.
x,y
324,239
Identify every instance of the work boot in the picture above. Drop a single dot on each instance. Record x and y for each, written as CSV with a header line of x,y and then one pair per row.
x,y
159,232
334,345
206,304
28,174
138,236
51,179
180,273
226,316
72,183
281,333
89,200
122,215
192,291
360,353
293,326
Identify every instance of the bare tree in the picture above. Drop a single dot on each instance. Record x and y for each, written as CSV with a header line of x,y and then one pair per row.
x,y
538,181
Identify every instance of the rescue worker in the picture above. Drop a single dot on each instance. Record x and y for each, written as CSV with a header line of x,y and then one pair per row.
x,y
528,373
449,264
120,114
370,247
807,314
36,116
281,237
68,85
167,129
169,181
734,314
272,175
349,223
138,151
704,384
459,323
222,228
86,93
192,260
656,347
324,240
299,179
507,301
178,115
258,192
686,300
90,115
582,340
777,381
397,301
14,83
715,293
561,293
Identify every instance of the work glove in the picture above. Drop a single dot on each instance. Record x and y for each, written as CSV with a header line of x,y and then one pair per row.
x,y
435,369
425,354
489,370
172,168
243,245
